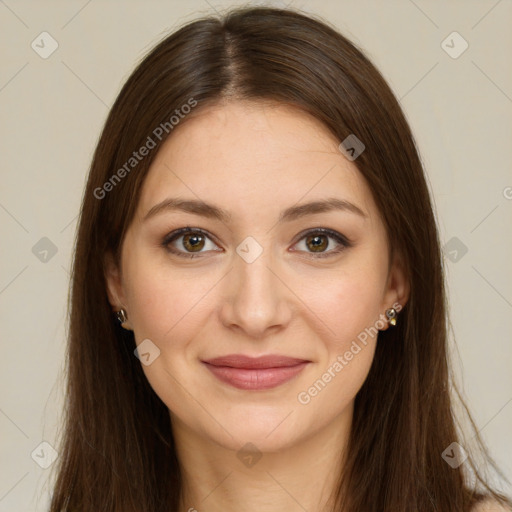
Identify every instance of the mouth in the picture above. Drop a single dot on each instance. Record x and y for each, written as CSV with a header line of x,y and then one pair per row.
x,y
255,373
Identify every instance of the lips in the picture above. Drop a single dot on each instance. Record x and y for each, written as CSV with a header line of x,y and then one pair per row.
x,y
241,361
254,373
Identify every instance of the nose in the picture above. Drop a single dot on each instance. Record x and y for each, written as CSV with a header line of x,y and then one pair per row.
x,y
257,298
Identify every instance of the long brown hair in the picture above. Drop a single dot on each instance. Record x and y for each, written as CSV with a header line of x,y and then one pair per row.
x,y
117,451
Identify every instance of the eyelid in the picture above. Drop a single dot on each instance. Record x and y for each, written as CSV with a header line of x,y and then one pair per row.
x,y
176,234
324,231
341,239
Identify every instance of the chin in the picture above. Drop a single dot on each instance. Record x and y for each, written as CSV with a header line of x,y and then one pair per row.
x,y
269,429
249,439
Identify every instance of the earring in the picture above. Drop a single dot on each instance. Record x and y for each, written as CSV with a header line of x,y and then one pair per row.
x,y
121,316
391,314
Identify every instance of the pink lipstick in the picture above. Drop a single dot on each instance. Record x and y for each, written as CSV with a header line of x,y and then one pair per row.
x,y
254,373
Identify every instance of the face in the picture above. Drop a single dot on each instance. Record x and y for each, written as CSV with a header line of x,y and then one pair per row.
x,y
256,273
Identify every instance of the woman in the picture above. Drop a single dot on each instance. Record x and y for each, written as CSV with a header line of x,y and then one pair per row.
x,y
258,315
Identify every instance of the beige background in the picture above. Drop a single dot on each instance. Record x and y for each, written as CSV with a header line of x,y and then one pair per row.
x,y
52,112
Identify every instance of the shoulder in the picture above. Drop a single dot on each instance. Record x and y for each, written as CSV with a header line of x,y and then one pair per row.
x,y
490,505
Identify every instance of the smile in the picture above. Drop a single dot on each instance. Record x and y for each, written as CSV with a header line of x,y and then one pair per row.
x,y
250,373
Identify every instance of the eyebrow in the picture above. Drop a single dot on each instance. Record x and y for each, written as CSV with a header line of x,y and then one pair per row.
x,y
214,212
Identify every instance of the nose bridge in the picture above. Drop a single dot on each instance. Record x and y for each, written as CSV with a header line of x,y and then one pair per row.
x,y
257,298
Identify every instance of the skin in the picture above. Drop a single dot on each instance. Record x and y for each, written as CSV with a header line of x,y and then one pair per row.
x,y
255,160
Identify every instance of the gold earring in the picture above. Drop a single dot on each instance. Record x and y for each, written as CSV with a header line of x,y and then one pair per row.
x,y
391,314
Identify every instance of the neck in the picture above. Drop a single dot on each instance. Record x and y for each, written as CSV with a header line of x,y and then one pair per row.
x,y
299,477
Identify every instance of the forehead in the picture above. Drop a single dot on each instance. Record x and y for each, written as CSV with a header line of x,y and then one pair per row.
x,y
252,156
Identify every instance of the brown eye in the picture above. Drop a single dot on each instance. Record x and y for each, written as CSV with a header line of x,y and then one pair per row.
x,y
193,242
317,243
322,243
189,243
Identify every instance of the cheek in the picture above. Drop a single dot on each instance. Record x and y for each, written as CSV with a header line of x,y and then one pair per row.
x,y
166,304
345,313
347,302
167,307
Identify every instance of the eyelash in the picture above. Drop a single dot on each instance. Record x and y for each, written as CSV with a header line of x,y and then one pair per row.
x,y
338,237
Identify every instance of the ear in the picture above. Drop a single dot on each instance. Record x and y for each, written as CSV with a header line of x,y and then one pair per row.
x,y
113,281
397,292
